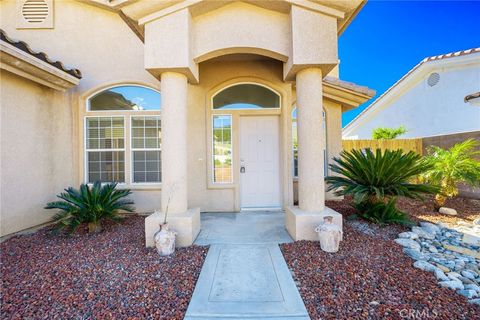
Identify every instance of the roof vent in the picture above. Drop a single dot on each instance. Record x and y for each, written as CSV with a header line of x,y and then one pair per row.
x,y
35,14
35,11
433,79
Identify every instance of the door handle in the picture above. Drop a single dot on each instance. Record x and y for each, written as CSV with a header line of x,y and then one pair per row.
x,y
242,169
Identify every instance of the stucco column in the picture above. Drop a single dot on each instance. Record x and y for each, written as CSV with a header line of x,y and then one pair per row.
x,y
174,142
311,186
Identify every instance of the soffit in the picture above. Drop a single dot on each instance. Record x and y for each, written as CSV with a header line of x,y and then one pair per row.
x,y
200,7
143,11
136,12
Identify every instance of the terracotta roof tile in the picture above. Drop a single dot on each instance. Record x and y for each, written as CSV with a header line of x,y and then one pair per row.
x,y
451,55
39,55
350,86
472,96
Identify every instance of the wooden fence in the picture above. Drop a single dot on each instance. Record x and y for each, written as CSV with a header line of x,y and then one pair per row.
x,y
404,144
419,146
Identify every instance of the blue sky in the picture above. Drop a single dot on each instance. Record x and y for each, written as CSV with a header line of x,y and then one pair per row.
x,y
388,38
146,98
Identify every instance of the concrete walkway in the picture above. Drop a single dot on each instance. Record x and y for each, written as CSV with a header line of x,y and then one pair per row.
x,y
245,275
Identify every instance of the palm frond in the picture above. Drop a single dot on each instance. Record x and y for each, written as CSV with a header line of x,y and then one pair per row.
x,y
374,178
449,167
89,204
381,174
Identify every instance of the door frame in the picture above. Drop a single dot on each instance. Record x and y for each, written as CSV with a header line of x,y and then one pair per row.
x,y
284,90
280,193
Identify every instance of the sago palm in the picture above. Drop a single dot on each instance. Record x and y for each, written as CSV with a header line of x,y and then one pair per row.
x,y
449,167
368,175
90,205
375,179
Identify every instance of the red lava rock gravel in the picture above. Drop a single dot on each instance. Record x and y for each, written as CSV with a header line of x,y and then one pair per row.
x,y
110,275
369,278
467,209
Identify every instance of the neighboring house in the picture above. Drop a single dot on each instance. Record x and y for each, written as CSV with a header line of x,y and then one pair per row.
x,y
439,96
187,103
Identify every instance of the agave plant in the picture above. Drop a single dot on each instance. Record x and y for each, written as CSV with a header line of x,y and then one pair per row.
x,y
448,168
90,205
374,178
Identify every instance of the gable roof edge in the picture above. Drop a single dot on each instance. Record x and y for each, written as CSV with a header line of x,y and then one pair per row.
x,y
418,70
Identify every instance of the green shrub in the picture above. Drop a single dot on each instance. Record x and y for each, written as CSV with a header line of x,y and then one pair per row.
x,y
448,168
90,205
376,179
382,213
388,133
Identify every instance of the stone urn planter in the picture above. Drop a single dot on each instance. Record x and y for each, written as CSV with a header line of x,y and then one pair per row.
x,y
329,235
165,240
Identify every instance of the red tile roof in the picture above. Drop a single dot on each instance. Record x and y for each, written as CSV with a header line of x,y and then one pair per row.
x,y
472,96
39,55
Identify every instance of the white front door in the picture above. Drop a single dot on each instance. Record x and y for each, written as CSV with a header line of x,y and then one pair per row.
x,y
259,162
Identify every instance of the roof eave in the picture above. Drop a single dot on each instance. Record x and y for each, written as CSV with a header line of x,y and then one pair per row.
x,y
348,19
423,67
138,17
347,98
27,66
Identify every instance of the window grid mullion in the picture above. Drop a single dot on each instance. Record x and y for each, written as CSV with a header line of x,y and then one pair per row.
x,y
144,162
116,172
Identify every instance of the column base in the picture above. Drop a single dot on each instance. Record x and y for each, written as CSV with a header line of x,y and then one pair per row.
x,y
186,224
301,224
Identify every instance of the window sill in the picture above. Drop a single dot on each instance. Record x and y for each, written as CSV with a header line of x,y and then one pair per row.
x,y
213,186
141,187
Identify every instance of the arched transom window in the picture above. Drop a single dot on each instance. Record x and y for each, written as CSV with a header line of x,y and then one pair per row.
x,y
246,96
240,96
123,136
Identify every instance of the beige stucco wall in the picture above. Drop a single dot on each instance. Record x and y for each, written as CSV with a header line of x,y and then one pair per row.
x,y
47,155
243,26
36,151
314,41
40,142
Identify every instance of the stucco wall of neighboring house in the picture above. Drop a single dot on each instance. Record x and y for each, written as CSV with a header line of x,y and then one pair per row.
x,y
425,110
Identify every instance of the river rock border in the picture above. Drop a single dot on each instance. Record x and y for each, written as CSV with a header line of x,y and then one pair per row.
x,y
440,250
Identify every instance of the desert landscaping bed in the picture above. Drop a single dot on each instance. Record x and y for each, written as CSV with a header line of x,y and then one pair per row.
x,y
110,275
423,210
371,277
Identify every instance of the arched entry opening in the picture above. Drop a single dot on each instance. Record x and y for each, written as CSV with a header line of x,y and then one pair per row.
x,y
246,143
